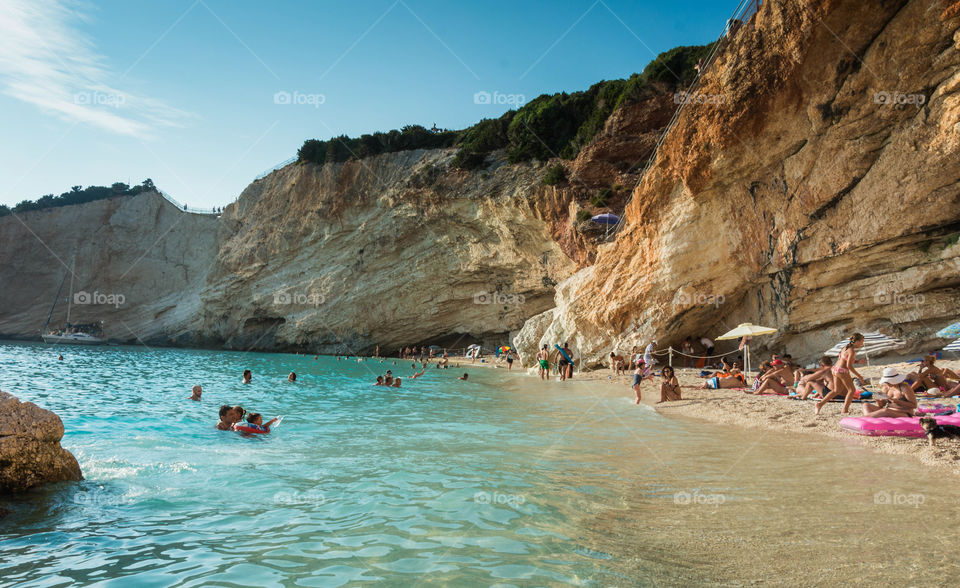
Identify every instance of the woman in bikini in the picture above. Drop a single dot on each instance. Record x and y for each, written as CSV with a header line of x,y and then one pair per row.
x,y
900,401
842,370
670,388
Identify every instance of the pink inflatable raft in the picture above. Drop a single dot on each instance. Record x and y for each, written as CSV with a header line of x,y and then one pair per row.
x,y
893,427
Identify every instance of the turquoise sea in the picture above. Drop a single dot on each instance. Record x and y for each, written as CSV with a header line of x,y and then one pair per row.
x,y
497,481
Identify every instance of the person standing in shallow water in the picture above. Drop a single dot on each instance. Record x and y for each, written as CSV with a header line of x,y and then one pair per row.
x,y
543,358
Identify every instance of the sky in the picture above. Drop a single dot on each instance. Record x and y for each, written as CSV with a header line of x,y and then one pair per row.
x,y
202,96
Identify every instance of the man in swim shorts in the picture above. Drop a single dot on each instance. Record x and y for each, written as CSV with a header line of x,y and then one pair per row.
x,y
543,357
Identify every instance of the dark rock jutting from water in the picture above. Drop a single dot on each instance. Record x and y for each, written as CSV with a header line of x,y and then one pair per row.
x,y
30,451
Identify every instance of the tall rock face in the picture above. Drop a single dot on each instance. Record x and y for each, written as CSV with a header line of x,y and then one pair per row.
x,y
30,451
813,185
392,250
137,263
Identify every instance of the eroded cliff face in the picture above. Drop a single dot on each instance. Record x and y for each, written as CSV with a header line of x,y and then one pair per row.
x,y
138,262
392,250
819,194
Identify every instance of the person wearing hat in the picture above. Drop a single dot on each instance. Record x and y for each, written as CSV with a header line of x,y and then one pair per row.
x,y
900,400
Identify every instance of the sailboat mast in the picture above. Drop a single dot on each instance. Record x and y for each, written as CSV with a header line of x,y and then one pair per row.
x,y
70,299
55,299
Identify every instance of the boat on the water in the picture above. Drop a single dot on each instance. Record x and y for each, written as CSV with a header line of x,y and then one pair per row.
x,y
72,334
76,338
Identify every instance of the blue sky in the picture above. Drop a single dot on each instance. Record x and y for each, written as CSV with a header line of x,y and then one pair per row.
x,y
186,91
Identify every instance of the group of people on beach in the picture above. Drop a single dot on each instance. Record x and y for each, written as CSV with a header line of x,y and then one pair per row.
x,y
827,380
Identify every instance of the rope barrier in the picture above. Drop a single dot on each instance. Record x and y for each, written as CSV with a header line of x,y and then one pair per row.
x,y
707,356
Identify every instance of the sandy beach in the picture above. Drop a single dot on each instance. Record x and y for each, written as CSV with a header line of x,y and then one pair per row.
x,y
778,413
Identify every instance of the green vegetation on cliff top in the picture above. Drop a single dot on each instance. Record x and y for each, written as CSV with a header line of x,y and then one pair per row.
x,y
79,195
551,125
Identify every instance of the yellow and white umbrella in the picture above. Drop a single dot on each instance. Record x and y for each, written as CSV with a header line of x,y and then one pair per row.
x,y
746,330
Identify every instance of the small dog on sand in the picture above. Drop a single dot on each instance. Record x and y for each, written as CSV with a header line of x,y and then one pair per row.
x,y
935,431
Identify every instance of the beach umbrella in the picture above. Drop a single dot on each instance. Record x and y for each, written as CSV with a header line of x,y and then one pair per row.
x,y
873,344
954,347
746,330
951,332
606,219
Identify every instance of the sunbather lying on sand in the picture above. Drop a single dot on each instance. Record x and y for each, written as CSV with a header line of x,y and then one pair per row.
x,y
899,401
725,380
818,382
948,393
777,379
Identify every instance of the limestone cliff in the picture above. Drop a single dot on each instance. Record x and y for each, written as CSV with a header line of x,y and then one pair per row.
x,y
815,188
391,250
138,263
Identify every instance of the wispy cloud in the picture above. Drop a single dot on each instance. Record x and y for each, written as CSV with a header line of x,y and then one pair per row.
x,y
48,61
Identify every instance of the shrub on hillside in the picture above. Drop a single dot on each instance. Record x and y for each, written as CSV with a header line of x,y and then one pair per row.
x,y
555,175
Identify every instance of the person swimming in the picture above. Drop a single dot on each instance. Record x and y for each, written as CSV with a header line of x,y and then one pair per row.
x,y
292,377
463,377
196,392
229,416
396,383
255,421
247,376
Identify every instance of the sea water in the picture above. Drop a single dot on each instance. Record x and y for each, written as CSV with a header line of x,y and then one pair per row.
x,y
498,480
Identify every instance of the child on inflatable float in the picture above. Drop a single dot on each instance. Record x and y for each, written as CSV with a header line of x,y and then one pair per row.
x,y
254,424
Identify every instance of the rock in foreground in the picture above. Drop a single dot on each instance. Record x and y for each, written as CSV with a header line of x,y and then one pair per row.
x,y
30,451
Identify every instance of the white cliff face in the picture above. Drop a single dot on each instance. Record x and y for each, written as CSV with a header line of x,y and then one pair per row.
x,y
394,250
139,266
